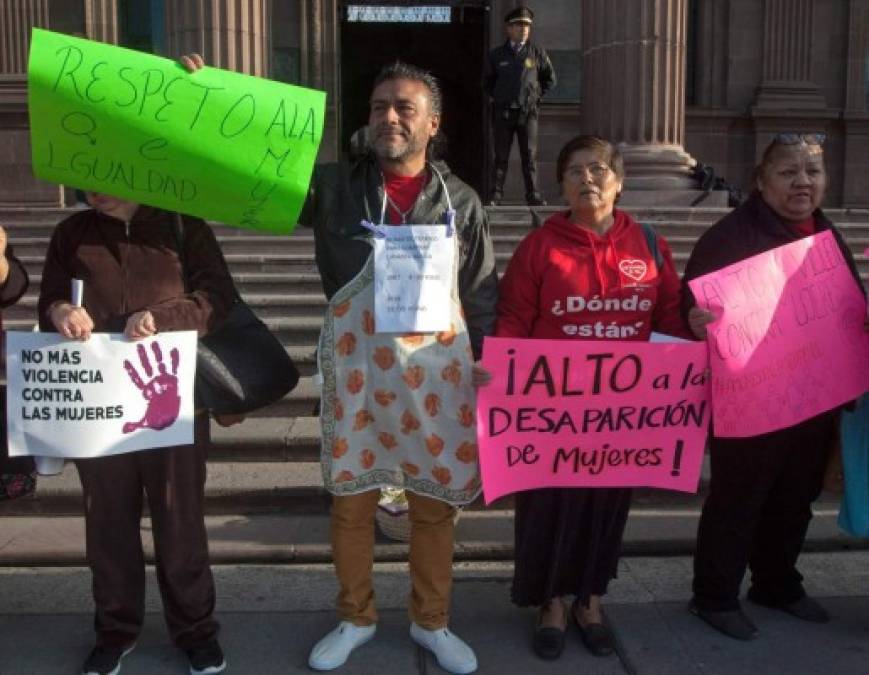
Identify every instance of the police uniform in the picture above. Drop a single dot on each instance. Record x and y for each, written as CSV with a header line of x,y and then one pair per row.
x,y
516,79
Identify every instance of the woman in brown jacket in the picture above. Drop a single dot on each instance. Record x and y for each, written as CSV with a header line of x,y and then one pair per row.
x,y
127,256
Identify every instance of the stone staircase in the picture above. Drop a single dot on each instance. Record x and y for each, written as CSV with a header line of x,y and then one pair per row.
x,y
268,465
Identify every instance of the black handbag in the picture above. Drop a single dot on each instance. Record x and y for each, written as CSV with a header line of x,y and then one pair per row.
x,y
240,366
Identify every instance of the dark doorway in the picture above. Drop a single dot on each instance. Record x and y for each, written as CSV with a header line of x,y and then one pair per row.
x,y
454,52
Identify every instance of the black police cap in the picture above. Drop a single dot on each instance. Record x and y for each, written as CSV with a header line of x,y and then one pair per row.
x,y
520,15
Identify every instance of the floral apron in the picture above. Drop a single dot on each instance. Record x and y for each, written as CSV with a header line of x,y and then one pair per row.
x,y
396,410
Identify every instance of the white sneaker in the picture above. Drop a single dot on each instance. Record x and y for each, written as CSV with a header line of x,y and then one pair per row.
x,y
334,649
451,652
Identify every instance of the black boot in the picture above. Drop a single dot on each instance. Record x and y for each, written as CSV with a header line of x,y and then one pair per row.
x,y
498,186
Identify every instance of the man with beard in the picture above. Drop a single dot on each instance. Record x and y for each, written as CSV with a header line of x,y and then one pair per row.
x,y
397,409
397,182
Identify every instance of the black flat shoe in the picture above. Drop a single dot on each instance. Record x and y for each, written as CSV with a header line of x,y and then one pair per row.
x,y
732,622
548,642
597,638
805,608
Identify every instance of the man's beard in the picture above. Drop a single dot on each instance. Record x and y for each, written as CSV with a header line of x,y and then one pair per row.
x,y
397,151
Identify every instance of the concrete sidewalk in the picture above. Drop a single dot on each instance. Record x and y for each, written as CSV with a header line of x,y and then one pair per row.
x,y
271,616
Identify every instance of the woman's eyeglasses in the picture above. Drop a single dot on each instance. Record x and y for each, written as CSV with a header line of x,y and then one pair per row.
x,y
794,139
576,172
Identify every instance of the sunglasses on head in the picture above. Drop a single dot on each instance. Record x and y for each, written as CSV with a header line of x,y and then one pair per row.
x,y
794,139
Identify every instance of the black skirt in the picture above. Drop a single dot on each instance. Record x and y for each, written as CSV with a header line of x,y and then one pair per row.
x,y
568,542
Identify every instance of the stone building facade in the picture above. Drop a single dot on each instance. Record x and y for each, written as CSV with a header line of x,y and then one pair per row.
x,y
677,81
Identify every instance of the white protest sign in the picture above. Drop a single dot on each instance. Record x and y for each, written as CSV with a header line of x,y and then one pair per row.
x,y
413,279
102,397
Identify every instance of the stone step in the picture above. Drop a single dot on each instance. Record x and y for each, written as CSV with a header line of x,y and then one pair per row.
x,y
278,283
291,331
281,439
272,304
296,538
299,247
502,214
506,212
248,487
304,538
301,402
279,263
26,233
32,243
262,283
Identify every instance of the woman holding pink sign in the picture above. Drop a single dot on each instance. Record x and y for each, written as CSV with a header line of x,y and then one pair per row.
x,y
759,504
590,272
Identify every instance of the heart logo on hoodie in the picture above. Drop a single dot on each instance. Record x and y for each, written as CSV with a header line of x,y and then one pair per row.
x,y
635,269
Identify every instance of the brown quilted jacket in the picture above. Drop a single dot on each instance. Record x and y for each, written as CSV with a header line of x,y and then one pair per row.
x,y
129,267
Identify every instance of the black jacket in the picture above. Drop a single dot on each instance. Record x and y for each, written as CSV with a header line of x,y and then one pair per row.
x,y
749,229
10,292
518,80
16,283
343,194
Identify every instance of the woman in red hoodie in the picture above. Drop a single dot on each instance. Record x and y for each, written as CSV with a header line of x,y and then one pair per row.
x,y
593,273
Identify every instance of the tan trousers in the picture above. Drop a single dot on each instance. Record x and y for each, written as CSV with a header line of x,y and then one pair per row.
x,y
431,558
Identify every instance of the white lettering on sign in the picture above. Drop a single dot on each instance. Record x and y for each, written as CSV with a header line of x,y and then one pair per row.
x,y
101,397
387,14
576,303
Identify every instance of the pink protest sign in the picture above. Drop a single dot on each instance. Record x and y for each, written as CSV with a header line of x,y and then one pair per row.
x,y
565,413
789,342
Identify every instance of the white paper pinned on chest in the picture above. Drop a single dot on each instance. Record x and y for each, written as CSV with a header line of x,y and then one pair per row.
x,y
413,279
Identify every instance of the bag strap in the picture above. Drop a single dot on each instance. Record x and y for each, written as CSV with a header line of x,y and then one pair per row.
x,y
178,231
652,242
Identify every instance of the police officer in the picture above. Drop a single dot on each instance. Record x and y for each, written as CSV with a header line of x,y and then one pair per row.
x,y
518,74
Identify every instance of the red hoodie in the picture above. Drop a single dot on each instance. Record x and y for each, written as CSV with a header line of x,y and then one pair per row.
x,y
565,281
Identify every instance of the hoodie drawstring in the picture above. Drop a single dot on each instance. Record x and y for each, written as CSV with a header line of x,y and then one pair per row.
x,y
600,276
616,261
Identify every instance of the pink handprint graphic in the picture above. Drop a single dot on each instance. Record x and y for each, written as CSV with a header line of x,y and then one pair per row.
x,y
161,391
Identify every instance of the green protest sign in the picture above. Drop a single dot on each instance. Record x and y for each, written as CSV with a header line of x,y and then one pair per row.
x,y
215,144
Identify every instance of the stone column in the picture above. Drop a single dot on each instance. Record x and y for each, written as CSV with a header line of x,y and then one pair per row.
x,y
231,34
101,20
787,57
320,22
17,17
312,43
17,184
633,91
856,113
787,99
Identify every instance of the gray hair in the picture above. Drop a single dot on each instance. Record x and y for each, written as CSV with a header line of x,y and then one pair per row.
x,y
405,71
